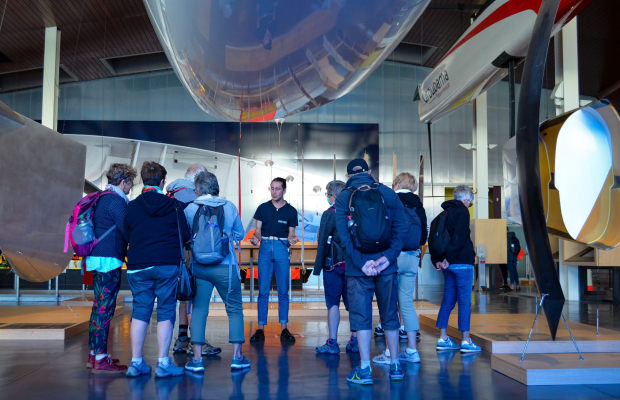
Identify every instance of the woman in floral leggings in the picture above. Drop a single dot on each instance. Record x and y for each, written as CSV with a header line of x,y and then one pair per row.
x,y
105,262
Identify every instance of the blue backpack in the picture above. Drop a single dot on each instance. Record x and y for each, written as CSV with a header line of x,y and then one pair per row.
x,y
411,240
209,242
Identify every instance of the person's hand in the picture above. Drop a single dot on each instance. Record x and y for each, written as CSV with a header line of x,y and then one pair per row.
x,y
381,264
254,240
369,268
438,265
446,264
292,239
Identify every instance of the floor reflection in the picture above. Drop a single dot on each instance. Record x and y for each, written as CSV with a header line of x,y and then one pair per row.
x,y
31,369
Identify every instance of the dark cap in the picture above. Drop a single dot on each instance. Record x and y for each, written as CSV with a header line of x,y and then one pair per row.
x,y
356,166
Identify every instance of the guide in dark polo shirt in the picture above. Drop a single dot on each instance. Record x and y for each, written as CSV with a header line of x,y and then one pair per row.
x,y
275,230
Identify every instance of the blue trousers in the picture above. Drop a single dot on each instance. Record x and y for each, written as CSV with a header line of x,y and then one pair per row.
x,y
273,258
458,280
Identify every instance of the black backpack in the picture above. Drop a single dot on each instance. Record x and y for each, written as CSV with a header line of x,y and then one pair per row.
x,y
411,240
514,246
439,237
368,220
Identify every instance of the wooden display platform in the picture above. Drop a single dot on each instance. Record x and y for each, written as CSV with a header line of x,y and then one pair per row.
x,y
559,369
45,322
507,333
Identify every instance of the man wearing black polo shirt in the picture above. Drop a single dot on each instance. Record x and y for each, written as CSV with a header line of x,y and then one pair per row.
x,y
275,230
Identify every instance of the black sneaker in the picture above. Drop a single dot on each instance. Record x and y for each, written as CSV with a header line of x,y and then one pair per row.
x,y
417,337
258,336
402,334
286,336
379,330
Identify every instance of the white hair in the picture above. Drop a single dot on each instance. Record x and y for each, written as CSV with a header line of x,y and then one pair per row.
x,y
193,170
462,193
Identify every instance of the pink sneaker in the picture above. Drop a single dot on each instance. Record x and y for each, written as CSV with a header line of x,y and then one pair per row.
x,y
106,364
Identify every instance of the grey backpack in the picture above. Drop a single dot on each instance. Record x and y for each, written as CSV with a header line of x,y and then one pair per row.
x,y
209,242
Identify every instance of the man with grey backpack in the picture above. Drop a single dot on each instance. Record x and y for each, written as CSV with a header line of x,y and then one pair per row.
x,y
215,226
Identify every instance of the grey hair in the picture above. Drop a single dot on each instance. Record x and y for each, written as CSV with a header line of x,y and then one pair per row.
x,y
334,188
463,192
206,183
194,170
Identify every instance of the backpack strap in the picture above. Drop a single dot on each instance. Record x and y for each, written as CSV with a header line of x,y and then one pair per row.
x,y
219,213
196,220
363,187
171,193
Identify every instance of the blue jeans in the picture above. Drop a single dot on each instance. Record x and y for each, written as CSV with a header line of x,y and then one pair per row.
x,y
458,280
273,258
512,269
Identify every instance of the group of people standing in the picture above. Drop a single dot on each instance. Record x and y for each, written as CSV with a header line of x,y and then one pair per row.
x,y
356,274
150,233
152,230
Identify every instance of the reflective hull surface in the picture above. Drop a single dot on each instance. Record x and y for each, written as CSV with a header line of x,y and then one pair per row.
x,y
260,60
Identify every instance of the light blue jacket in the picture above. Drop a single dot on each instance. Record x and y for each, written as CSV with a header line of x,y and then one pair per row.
x,y
232,222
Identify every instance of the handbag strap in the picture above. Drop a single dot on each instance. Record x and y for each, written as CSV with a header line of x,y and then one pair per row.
x,y
176,211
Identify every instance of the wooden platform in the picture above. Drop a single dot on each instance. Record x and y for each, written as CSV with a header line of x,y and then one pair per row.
x,y
44,322
507,333
559,369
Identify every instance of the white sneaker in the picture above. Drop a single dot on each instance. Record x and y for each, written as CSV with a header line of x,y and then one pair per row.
x,y
383,358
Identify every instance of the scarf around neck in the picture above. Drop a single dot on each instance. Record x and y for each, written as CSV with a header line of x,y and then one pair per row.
x,y
148,188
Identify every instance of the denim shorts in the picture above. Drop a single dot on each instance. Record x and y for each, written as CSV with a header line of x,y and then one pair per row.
x,y
335,284
158,282
361,289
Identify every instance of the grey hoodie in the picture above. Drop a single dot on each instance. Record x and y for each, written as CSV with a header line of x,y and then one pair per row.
x,y
185,188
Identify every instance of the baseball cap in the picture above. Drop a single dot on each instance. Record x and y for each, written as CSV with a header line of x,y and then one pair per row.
x,y
356,166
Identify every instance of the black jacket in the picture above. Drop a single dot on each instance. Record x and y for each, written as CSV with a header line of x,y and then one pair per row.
x,y
110,210
152,227
461,248
327,228
355,260
411,200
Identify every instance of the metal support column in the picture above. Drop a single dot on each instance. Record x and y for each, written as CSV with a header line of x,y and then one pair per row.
x,y
481,158
16,287
481,172
51,63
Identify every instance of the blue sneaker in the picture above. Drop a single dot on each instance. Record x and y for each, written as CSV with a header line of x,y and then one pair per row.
x,y
239,363
168,369
396,372
410,357
195,365
330,347
353,346
360,376
447,344
470,347
136,369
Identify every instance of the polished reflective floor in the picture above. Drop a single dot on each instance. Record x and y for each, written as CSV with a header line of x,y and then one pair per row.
x,y
55,369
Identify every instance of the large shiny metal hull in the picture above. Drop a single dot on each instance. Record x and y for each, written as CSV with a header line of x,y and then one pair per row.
x,y
41,179
259,60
